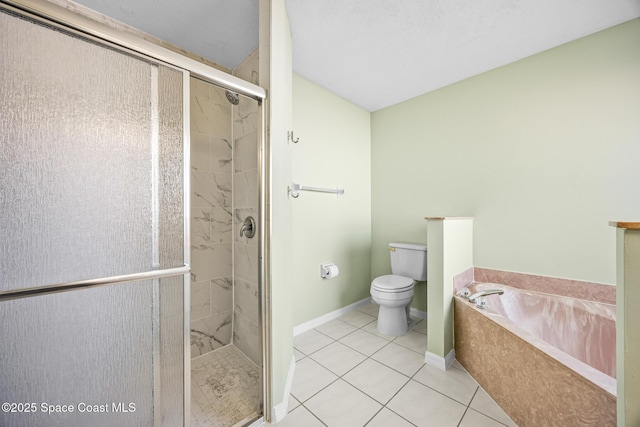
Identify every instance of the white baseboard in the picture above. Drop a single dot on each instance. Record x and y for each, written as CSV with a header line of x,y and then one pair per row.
x,y
280,410
313,323
439,361
307,326
417,313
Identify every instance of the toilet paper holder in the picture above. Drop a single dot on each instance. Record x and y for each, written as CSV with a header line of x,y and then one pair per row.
x,y
328,270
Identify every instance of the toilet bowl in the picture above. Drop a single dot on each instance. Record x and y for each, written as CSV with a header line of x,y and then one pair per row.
x,y
394,295
394,292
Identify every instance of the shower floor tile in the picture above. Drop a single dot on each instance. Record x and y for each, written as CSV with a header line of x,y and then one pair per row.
x,y
225,388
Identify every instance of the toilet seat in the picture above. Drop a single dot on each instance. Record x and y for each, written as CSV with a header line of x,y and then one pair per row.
x,y
392,283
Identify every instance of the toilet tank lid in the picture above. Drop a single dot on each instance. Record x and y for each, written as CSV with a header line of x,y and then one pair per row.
x,y
411,246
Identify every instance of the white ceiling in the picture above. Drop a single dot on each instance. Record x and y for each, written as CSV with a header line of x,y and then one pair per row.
x,y
376,53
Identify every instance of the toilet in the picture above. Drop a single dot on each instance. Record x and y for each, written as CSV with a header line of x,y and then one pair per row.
x,y
394,292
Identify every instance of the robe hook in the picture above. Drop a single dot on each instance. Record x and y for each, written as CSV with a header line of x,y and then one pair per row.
x,y
290,137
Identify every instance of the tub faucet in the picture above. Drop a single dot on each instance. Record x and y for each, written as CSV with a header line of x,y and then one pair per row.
x,y
473,297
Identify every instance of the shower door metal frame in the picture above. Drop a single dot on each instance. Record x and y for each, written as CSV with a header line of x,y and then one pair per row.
x,y
53,14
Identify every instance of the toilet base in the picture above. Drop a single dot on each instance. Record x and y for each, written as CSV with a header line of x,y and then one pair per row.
x,y
394,321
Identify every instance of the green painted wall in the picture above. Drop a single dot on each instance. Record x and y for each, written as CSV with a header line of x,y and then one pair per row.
x,y
334,149
450,252
542,152
627,332
276,75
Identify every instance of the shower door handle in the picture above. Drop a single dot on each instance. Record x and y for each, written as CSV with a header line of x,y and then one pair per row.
x,y
248,228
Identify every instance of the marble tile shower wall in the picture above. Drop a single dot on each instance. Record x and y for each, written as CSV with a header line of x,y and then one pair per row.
x,y
245,201
211,219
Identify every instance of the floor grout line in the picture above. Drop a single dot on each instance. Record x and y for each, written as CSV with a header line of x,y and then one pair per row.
x,y
462,417
409,378
311,412
374,415
474,395
367,357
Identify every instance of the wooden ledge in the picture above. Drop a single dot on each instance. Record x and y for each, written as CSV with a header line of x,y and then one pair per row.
x,y
627,225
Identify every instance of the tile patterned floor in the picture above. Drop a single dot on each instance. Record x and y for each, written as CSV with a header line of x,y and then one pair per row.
x,y
225,389
347,374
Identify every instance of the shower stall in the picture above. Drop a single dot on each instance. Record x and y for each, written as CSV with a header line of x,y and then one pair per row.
x,y
225,309
127,175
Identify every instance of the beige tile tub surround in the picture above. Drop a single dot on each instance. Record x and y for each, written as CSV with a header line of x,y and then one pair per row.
x,y
532,386
530,380
550,285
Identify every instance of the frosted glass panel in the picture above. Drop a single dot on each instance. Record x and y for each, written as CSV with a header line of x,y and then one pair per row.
x,y
92,346
171,185
80,123
172,350
91,166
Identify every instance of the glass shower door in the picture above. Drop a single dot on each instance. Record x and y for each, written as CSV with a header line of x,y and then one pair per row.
x,y
92,221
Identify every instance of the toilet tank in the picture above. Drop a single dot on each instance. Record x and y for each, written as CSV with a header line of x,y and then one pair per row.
x,y
409,260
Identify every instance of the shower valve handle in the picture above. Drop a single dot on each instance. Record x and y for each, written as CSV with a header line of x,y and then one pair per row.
x,y
248,228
